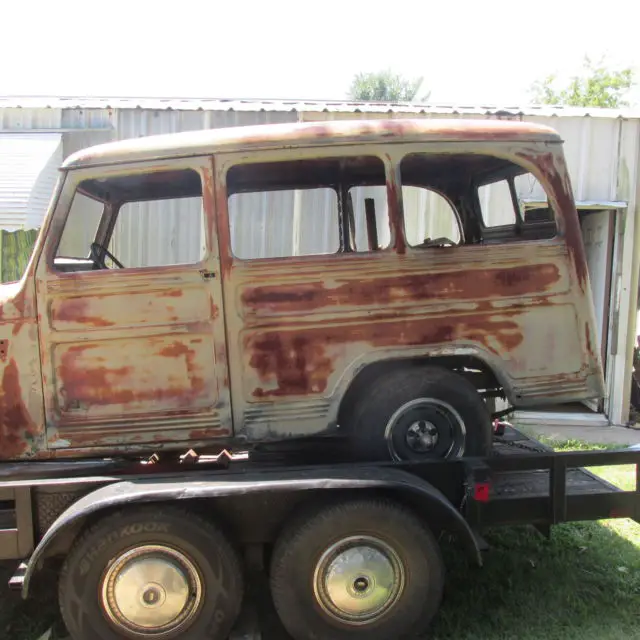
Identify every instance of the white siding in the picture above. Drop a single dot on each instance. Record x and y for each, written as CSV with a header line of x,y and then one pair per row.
x,y
18,119
28,171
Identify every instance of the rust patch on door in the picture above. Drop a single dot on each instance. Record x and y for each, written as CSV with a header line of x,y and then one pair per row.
x,y
451,285
85,381
77,310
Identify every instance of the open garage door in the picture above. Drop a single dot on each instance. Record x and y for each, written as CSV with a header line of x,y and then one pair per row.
x,y
598,228
598,224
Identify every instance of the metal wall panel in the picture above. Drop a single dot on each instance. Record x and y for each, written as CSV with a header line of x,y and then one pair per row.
x,y
28,172
19,119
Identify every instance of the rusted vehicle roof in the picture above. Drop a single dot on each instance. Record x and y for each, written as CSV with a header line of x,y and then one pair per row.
x,y
211,141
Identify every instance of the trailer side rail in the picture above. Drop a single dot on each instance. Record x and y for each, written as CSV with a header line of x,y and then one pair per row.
x,y
550,488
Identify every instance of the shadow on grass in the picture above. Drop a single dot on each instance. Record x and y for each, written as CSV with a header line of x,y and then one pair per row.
x,y
27,619
583,584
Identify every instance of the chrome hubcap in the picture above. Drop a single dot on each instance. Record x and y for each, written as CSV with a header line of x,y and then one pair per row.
x,y
425,426
422,436
358,579
152,590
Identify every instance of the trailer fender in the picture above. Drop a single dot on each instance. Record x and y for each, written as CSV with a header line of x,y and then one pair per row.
x,y
213,485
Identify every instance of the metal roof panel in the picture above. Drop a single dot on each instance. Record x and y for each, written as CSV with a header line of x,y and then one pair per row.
x,y
267,136
334,106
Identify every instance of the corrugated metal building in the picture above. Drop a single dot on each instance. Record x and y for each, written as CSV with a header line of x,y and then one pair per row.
x,y
602,149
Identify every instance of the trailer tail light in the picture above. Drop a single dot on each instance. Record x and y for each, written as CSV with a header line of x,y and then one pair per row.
x,y
481,491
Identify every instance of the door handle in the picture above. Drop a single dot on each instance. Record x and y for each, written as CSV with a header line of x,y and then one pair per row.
x,y
207,275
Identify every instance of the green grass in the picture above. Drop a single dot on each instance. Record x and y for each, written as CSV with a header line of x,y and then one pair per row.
x,y
583,584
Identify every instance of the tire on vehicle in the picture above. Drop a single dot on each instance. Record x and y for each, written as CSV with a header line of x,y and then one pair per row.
x,y
153,572
362,568
416,414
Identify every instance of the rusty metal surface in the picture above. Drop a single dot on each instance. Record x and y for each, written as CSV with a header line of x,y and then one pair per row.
x,y
256,137
21,414
133,359
301,329
149,358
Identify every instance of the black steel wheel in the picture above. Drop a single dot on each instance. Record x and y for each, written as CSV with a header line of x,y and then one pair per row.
x,y
419,413
152,573
358,569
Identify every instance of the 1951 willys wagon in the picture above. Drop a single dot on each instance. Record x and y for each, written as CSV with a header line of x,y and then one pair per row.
x,y
370,280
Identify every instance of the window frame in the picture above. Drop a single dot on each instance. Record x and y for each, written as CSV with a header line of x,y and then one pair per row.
x,y
226,161
515,203
520,226
398,160
287,257
454,210
115,215
75,177
353,237
100,229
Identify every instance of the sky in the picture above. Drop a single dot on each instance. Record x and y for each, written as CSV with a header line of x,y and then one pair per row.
x,y
469,52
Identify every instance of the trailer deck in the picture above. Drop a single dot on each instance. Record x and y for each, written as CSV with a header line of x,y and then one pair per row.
x,y
536,483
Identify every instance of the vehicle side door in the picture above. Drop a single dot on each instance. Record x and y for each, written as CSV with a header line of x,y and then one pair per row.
x,y
133,357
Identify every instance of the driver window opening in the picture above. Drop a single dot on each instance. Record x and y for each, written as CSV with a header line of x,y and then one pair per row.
x,y
131,221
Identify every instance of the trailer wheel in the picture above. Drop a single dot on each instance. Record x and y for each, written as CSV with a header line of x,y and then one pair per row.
x,y
417,414
358,569
155,572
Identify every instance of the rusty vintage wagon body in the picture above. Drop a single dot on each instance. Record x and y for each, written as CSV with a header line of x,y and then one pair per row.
x,y
228,346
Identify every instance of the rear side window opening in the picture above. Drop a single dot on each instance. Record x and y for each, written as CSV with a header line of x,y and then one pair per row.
x,y
320,206
455,199
507,215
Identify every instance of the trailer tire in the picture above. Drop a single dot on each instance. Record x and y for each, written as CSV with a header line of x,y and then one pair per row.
x,y
419,413
377,544
198,596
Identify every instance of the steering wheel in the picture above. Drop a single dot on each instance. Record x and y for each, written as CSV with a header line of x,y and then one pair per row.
x,y
438,242
98,254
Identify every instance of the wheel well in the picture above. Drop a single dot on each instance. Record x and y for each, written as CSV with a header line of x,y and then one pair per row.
x,y
473,369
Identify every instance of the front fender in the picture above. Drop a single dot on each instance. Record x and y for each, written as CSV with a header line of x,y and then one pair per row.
x,y
214,485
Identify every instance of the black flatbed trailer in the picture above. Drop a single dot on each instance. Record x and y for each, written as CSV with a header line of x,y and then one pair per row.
x,y
49,509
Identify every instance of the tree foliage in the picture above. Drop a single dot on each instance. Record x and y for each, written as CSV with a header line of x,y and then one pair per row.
x,y
385,86
596,86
